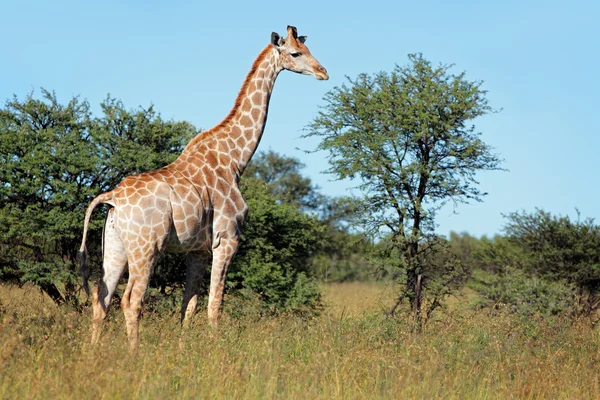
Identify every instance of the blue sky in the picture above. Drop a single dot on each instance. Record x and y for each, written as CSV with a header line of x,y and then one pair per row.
x,y
539,61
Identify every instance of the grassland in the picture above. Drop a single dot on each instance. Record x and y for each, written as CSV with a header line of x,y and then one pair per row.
x,y
350,351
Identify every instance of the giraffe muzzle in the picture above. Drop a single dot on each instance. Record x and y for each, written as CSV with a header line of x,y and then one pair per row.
x,y
321,74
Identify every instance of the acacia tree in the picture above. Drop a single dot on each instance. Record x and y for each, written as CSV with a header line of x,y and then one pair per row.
x,y
407,137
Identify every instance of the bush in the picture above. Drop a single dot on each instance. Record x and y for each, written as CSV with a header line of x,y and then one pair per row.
x,y
523,293
274,259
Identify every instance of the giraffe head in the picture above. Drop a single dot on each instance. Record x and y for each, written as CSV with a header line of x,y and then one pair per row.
x,y
295,56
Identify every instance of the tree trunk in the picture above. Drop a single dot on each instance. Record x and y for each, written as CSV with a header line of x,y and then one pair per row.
x,y
415,296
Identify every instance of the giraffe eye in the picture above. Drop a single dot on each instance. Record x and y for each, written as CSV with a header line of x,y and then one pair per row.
x,y
295,55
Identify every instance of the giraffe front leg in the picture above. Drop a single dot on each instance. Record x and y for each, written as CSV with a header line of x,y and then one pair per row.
x,y
196,264
223,254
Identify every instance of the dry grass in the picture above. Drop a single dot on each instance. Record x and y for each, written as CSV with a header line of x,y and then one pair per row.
x,y
350,351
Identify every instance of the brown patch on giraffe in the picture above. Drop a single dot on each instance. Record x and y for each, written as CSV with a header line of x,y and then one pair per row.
x,y
223,146
235,154
137,214
145,231
229,207
197,163
211,159
209,178
144,192
188,208
146,202
224,158
135,198
231,141
257,98
246,121
255,114
236,131
246,106
128,191
222,186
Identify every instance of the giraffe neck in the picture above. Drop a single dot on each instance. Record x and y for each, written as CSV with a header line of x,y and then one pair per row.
x,y
239,134
249,114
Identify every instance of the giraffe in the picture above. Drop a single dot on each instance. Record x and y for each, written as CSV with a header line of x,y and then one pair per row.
x,y
192,205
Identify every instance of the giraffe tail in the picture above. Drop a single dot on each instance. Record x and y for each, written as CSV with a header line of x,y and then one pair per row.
x,y
84,269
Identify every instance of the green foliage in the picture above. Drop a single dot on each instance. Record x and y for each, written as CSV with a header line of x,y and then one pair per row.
x,y
466,248
135,141
407,137
45,153
525,293
545,264
284,179
504,277
343,256
53,159
339,255
558,248
274,259
440,272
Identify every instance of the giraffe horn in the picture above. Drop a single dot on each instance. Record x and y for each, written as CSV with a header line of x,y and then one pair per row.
x,y
292,31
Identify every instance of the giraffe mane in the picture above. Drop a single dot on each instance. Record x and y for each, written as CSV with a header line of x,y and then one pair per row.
x,y
238,100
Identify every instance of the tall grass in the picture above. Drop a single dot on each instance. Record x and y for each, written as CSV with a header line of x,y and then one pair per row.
x,y
350,351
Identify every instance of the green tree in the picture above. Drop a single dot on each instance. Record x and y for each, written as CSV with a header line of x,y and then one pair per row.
x,y
46,158
53,159
344,252
407,137
134,141
340,254
284,179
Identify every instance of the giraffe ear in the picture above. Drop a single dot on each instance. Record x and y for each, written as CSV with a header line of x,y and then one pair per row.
x,y
302,39
276,40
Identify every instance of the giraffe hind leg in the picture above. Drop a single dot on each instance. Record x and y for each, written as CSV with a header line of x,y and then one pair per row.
x,y
131,302
114,263
196,265
141,264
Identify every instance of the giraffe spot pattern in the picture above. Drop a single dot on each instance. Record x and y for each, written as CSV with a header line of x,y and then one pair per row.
x,y
192,205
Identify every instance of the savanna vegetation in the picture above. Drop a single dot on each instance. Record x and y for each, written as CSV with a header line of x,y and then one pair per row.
x,y
352,350
351,297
